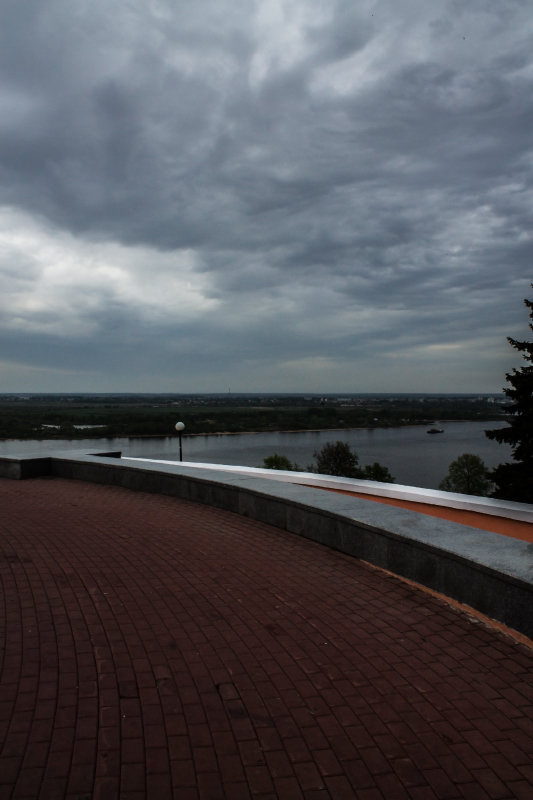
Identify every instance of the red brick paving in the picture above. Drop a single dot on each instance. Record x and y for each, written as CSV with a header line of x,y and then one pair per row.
x,y
154,648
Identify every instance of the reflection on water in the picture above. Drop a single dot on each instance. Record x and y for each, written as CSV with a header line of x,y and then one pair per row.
x,y
413,457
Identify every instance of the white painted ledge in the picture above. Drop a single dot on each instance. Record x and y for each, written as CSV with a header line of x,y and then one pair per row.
x,y
465,502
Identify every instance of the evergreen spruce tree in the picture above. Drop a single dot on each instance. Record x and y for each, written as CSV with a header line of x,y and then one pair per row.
x,y
515,481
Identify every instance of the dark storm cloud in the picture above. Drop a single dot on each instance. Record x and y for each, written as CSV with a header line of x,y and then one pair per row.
x,y
280,194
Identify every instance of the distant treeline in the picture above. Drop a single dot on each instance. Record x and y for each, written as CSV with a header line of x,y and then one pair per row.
x,y
52,416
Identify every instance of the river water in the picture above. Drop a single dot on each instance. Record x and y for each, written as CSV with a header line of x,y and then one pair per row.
x,y
414,457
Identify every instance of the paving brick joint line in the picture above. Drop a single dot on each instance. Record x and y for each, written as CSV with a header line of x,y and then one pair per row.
x,y
152,647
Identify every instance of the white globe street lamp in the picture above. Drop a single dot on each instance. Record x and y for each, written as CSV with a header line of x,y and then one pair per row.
x,y
180,427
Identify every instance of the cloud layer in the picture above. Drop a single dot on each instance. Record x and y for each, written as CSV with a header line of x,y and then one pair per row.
x,y
274,196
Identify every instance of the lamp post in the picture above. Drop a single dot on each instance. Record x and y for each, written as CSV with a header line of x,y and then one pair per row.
x,y
180,427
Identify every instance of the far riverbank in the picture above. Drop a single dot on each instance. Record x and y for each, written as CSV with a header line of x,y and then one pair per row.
x,y
88,416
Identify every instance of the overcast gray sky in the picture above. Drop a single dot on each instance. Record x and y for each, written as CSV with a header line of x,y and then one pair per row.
x,y
287,195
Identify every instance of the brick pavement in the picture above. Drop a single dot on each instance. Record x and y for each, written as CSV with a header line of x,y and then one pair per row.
x,y
151,647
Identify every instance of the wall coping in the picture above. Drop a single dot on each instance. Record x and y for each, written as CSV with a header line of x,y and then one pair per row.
x,y
414,494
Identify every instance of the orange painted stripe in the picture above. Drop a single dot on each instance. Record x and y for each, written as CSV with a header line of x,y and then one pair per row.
x,y
516,529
